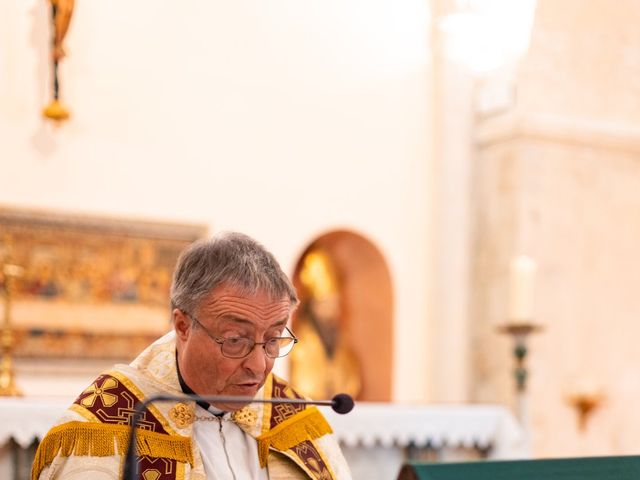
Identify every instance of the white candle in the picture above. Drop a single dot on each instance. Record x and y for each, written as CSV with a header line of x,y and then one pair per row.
x,y
521,289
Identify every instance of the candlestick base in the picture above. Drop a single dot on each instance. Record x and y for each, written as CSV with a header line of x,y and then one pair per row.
x,y
8,386
517,328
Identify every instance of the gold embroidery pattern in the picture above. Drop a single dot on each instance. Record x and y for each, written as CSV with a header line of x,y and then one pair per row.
x,y
157,468
116,405
283,411
306,454
151,475
133,389
245,416
99,390
182,415
280,412
312,459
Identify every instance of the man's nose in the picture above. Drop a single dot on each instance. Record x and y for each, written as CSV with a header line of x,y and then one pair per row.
x,y
257,359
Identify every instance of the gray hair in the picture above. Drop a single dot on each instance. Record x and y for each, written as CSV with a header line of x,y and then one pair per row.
x,y
231,259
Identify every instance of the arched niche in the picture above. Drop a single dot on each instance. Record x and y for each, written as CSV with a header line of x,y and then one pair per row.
x,y
366,293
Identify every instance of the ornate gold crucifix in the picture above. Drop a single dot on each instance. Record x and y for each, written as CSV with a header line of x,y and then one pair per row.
x,y
61,11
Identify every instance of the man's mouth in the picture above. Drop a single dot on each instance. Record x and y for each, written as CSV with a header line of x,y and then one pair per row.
x,y
249,384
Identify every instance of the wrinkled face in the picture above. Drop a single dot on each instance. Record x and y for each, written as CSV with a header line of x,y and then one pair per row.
x,y
227,313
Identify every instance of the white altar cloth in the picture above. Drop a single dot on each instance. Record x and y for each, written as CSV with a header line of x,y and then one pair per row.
x,y
369,424
374,436
26,418
486,427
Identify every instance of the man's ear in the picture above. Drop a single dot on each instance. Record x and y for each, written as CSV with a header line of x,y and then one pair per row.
x,y
181,324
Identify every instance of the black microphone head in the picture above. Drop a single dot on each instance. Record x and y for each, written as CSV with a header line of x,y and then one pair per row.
x,y
342,403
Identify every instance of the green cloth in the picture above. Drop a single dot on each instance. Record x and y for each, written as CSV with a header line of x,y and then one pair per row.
x,y
588,468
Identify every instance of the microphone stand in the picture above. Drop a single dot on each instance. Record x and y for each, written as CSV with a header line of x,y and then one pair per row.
x,y
340,403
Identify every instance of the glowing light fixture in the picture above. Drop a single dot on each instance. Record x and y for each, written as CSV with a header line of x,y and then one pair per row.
x,y
488,34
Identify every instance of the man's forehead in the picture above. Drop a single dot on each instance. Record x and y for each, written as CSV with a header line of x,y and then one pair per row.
x,y
225,297
246,311
278,321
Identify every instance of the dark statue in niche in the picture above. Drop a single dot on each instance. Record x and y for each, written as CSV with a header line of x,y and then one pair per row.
x,y
322,364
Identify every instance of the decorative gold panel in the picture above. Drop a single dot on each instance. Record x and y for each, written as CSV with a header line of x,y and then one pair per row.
x,y
92,286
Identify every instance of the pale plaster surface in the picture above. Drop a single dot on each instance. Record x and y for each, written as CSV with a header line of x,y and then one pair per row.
x,y
283,120
558,178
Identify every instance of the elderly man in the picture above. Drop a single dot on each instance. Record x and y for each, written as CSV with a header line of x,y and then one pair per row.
x,y
230,304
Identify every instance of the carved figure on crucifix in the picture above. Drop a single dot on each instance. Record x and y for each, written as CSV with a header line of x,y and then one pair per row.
x,y
61,11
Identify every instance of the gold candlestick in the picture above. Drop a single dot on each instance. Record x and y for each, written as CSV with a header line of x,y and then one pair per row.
x,y
519,331
8,387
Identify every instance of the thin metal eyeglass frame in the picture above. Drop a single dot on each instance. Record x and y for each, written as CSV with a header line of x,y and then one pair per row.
x,y
221,340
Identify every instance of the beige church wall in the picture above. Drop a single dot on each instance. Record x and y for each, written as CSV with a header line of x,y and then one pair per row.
x,y
556,177
559,205
284,120
450,220
586,54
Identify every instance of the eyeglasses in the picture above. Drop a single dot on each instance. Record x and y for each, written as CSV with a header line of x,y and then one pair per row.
x,y
240,347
